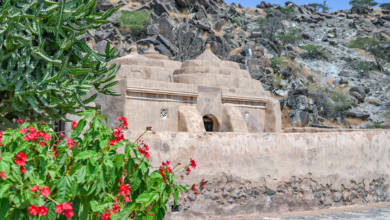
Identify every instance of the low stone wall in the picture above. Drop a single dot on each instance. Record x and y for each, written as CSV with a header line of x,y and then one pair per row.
x,y
258,173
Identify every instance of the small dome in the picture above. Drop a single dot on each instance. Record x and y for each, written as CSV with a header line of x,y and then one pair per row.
x,y
208,55
153,54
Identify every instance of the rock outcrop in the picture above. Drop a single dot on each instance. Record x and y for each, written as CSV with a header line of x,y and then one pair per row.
x,y
288,48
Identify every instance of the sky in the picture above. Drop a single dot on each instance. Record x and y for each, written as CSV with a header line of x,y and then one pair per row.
x,y
333,4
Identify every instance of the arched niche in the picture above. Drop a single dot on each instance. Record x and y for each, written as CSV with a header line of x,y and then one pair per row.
x,y
210,123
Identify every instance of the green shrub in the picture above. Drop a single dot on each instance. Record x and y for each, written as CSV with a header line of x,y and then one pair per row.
x,y
311,47
363,2
277,81
385,6
341,100
366,66
315,51
363,43
45,70
136,21
94,174
286,10
261,21
287,38
376,125
277,62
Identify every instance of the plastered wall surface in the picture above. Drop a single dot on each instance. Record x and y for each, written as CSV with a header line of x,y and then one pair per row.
x,y
330,157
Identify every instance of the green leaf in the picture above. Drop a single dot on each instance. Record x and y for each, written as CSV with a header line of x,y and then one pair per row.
x,y
80,127
147,198
4,208
85,155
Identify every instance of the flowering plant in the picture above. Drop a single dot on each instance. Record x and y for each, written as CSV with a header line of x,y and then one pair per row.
x,y
95,173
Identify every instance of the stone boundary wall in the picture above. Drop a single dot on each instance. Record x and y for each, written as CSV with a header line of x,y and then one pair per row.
x,y
259,173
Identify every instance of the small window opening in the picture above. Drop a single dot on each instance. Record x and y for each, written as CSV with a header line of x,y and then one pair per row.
x,y
210,123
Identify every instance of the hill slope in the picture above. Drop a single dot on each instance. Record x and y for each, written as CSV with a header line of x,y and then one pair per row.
x,y
327,69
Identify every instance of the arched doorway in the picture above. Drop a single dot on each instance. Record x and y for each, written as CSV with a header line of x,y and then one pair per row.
x,y
210,123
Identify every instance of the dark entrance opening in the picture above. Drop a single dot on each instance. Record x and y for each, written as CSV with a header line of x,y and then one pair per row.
x,y
210,123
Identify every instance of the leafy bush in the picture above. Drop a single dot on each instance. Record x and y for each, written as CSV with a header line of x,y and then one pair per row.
x,y
315,51
95,173
363,43
376,125
277,62
318,6
290,36
366,66
341,100
363,2
286,10
45,69
136,21
385,6
261,21
311,47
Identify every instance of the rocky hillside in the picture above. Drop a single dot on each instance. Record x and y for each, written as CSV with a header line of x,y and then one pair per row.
x,y
327,69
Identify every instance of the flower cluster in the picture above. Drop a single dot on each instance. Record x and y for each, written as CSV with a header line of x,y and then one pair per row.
x,y
144,149
165,168
193,188
118,136
38,198
74,124
35,210
124,190
20,160
2,175
115,209
65,209
35,135
123,121
192,164
70,143
45,190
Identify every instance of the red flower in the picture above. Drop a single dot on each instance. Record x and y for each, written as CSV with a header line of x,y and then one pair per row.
x,y
42,143
118,134
42,210
194,189
21,158
106,216
2,174
116,208
125,192
62,135
169,169
45,191
188,170
23,130
149,128
70,143
65,209
33,210
202,183
193,164
22,170
123,120
19,121
32,129
34,188
74,124
46,137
